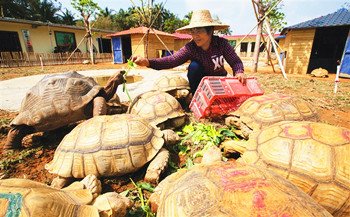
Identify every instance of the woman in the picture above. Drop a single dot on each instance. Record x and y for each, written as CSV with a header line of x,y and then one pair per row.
x,y
206,52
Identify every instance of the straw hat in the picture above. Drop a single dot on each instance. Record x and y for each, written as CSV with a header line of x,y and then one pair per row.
x,y
201,18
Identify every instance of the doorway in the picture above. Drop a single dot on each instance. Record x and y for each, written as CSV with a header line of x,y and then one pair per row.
x,y
9,42
328,47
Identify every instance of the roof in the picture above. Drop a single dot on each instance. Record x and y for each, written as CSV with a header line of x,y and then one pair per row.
x,y
139,30
40,23
338,18
242,36
182,36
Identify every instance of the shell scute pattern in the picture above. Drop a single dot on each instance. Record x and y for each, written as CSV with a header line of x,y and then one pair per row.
x,y
232,189
261,111
156,107
314,156
106,146
171,82
57,100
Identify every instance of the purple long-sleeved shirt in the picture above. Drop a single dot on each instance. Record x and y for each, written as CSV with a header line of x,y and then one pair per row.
x,y
212,59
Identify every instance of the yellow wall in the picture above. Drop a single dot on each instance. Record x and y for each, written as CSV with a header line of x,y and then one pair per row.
x,y
298,44
154,45
179,43
41,40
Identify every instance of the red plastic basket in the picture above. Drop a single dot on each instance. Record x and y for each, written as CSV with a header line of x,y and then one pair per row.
x,y
216,96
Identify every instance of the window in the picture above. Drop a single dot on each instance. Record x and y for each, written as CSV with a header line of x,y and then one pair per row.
x,y
65,42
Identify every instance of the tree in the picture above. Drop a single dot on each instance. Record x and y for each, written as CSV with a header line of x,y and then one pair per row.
x,y
275,23
44,11
87,8
223,32
261,13
66,17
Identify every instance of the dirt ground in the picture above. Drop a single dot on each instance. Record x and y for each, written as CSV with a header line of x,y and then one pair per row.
x,y
39,148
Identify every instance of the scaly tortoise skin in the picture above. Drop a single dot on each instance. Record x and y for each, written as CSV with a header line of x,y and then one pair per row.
x,y
314,156
108,146
57,100
159,109
23,197
231,189
259,112
175,85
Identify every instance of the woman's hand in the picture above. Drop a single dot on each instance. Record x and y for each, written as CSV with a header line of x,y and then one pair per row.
x,y
242,78
141,61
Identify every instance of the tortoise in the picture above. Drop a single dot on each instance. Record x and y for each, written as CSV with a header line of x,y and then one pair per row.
x,y
159,109
58,100
314,156
259,112
111,145
216,188
319,72
24,197
175,85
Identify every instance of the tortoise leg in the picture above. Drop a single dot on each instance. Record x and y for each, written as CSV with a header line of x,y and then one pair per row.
x,y
100,106
15,136
157,166
60,182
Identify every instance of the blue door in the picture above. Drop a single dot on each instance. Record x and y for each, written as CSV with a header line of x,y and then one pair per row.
x,y
117,50
345,65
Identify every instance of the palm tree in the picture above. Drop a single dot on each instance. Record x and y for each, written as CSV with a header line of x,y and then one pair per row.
x,y
67,17
45,11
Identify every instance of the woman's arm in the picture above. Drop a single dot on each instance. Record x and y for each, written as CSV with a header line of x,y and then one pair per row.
x,y
234,61
179,58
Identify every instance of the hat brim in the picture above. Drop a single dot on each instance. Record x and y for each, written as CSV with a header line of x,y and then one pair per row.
x,y
186,29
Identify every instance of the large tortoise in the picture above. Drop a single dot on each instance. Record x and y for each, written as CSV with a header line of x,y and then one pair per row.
x,y
58,100
159,109
262,111
314,156
319,72
111,145
23,197
216,188
175,85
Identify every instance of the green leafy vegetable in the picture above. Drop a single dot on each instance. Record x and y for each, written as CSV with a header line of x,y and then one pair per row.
x,y
131,65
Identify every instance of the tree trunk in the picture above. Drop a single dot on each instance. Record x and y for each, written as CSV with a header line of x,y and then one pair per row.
x,y
146,48
261,11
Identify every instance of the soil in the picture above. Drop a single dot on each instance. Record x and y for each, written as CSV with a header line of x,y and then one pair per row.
x,y
39,148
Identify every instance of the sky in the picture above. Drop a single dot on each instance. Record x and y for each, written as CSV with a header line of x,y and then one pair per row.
x,y
239,14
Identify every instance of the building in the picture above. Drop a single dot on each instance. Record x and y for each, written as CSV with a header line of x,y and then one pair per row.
x,y
17,35
315,43
134,42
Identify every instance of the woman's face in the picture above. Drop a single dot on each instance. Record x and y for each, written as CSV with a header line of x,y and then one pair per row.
x,y
201,37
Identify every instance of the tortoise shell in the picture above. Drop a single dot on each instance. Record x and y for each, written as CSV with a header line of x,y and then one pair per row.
x,y
232,189
314,156
319,72
106,146
23,197
261,111
158,107
57,100
171,82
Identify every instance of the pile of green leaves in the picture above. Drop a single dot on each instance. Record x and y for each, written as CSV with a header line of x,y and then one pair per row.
x,y
203,136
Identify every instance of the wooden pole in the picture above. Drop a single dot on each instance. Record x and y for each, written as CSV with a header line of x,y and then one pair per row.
x,y
275,47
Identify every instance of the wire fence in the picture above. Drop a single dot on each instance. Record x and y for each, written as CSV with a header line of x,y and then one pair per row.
x,y
19,59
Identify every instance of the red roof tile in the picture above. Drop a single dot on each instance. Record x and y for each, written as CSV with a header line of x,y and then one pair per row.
x,y
182,36
139,30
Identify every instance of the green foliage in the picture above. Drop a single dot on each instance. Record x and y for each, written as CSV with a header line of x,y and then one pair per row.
x,y
5,121
15,157
275,17
131,65
203,136
86,8
144,209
